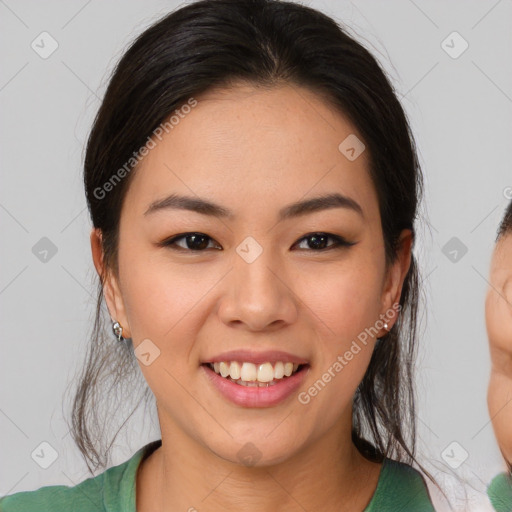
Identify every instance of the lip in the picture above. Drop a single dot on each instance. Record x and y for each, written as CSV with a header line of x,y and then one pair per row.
x,y
255,396
249,356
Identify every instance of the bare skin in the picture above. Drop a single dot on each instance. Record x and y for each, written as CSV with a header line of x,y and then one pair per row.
x,y
253,151
498,312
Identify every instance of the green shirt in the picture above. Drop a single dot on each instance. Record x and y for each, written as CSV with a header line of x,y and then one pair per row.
x,y
500,493
400,488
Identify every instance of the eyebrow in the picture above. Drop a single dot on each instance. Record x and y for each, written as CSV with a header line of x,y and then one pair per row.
x,y
205,207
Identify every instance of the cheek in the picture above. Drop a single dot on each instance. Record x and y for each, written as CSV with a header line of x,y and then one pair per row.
x,y
345,307
163,301
166,305
345,300
498,318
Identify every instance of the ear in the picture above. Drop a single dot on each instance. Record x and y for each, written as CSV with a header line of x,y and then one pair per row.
x,y
111,290
394,280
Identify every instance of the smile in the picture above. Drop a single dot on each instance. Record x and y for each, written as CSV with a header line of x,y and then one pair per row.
x,y
255,375
259,384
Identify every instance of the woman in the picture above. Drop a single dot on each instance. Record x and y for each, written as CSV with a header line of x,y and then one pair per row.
x,y
253,186
498,316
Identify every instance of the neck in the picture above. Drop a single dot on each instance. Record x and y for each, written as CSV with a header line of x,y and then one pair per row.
x,y
328,474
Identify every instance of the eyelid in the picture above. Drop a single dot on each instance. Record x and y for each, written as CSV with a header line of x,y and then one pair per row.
x,y
171,241
340,242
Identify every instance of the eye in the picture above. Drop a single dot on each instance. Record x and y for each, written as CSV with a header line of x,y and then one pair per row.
x,y
198,242
193,242
318,241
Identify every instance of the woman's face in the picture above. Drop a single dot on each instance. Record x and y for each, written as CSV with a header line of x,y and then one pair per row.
x,y
498,315
253,287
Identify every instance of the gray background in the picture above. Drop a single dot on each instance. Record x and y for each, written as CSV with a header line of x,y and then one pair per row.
x,y
460,110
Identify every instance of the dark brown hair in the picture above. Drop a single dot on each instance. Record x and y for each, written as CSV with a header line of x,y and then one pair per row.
x,y
505,227
265,43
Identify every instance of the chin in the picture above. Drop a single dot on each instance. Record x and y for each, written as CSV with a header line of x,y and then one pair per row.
x,y
257,453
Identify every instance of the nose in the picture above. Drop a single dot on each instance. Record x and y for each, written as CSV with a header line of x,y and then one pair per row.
x,y
258,295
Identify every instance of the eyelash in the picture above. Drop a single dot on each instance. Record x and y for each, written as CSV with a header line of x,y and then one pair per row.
x,y
340,242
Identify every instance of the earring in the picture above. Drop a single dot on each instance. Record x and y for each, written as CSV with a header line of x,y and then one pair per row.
x,y
386,327
118,331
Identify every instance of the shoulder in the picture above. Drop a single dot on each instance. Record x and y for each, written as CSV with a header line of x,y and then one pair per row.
x,y
500,492
400,487
112,490
86,496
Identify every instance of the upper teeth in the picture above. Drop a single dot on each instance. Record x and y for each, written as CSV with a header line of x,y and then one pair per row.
x,y
249,372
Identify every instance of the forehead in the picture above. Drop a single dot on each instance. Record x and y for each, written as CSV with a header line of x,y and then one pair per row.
x,y
266,144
